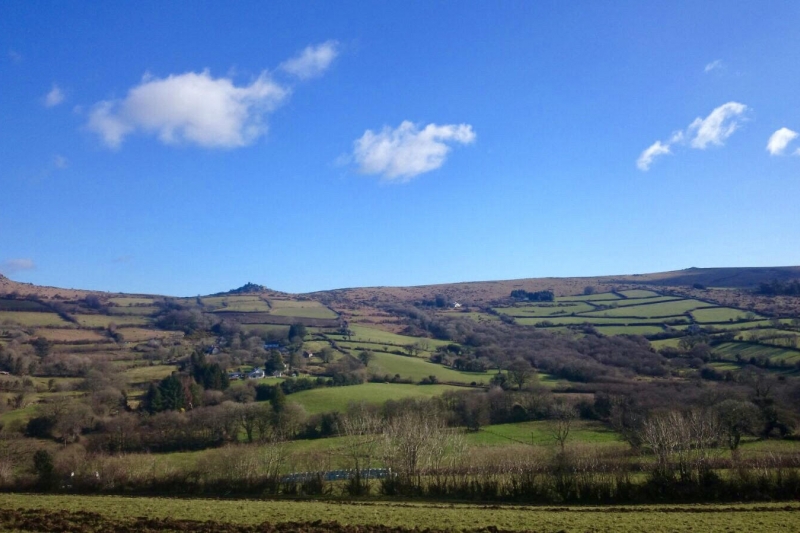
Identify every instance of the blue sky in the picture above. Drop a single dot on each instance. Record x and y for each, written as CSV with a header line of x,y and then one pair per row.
x,y
189,147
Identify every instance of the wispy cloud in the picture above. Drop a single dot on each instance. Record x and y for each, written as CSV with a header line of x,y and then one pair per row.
x,y
15,56
60,162
13,266
197,108
402,153
54,97
779,140
714,65
714,129
655,150
717,126
312,61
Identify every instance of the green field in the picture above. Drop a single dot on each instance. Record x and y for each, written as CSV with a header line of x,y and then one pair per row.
x,y
629,330
102,321
566,320
541,433
124,301
417,369
663,309
639,293
337,398
730,350
644,301
118,512
378,336
603,296
545,309
26,318
146,374
134,310
722,314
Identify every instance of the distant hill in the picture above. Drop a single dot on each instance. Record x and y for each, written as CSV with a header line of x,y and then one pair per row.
x,y
742,278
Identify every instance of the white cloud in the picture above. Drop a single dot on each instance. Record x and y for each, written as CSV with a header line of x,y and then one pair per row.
x,y
779,140
312,61
714,129
60,162
54,97
12,266
190,108
717,126
402,153
656,149
714,65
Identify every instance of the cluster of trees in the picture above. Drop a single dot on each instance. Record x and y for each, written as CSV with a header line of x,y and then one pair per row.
x,y
779,288
536,296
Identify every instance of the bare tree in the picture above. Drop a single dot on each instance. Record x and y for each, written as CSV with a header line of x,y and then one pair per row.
x,y
563,416
362,427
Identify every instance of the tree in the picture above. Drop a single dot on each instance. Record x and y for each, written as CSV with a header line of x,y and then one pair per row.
x,y
297,333
738,418
365,357
41,346
520,372
326,354
363,428
274,363
44,468
563,415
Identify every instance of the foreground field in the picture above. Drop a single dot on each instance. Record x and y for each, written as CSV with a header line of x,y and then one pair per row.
x,y
148,514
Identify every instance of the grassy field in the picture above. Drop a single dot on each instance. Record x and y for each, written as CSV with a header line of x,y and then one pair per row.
x,y
25,318
302,308
70,335
603,296
545,309
126,301
565,320
146,374
628,330
730,350
540,433
639,293
721,314
102,321
337,398
120,511
644,301
378,336
417,369
663,309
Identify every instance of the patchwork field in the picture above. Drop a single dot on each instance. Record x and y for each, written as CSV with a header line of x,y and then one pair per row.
x,y
116,513
337,398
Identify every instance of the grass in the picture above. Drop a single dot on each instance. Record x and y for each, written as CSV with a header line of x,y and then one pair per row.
x,y
639,293
629,330
664,343
102,321
477,317
337,398
70,335
750,518
720,314
602,296
545,309
125,301
305,312
143,334
417,369
643,301
27,318
378,336
265,329
142,310
540,433
662,309
593,320
146,374
729,350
